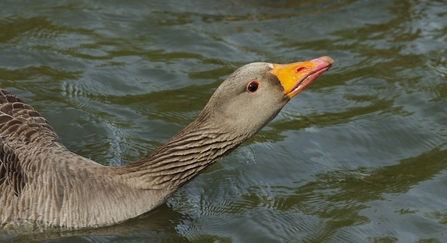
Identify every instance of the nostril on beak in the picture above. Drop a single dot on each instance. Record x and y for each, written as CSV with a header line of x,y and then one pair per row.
x,y
300,69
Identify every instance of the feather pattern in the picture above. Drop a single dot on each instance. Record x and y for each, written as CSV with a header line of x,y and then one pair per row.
x,y
44,183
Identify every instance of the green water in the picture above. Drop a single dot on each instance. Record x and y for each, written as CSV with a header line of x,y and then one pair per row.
x,y
359,156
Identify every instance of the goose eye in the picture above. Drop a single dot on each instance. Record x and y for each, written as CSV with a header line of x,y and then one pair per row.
x,y
253,86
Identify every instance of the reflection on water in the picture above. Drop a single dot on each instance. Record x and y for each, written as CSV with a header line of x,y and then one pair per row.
x,y
360,156
161,228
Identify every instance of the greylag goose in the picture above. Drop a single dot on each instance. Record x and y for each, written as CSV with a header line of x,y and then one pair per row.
x,y
43,183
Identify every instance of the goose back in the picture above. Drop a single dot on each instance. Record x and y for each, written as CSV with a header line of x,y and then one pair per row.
x,y
41,182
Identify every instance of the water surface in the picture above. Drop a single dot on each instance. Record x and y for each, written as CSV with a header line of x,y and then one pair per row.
x,y
360,156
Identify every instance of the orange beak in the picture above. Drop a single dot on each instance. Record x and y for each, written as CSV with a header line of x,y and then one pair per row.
x,y
295,77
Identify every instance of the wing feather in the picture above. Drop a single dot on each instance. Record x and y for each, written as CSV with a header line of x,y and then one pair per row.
x,y
20,125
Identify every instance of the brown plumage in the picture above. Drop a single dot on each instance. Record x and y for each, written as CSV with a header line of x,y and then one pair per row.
x,y
43,183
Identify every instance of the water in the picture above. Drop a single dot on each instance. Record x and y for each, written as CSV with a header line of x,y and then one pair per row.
x,y
360,156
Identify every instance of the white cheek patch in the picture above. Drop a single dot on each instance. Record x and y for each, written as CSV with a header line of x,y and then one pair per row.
x,y
270,65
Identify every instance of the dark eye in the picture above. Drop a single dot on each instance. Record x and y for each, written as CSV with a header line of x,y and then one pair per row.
x,y
253,86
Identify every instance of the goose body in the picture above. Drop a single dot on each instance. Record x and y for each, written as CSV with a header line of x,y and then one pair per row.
x,y
43,183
